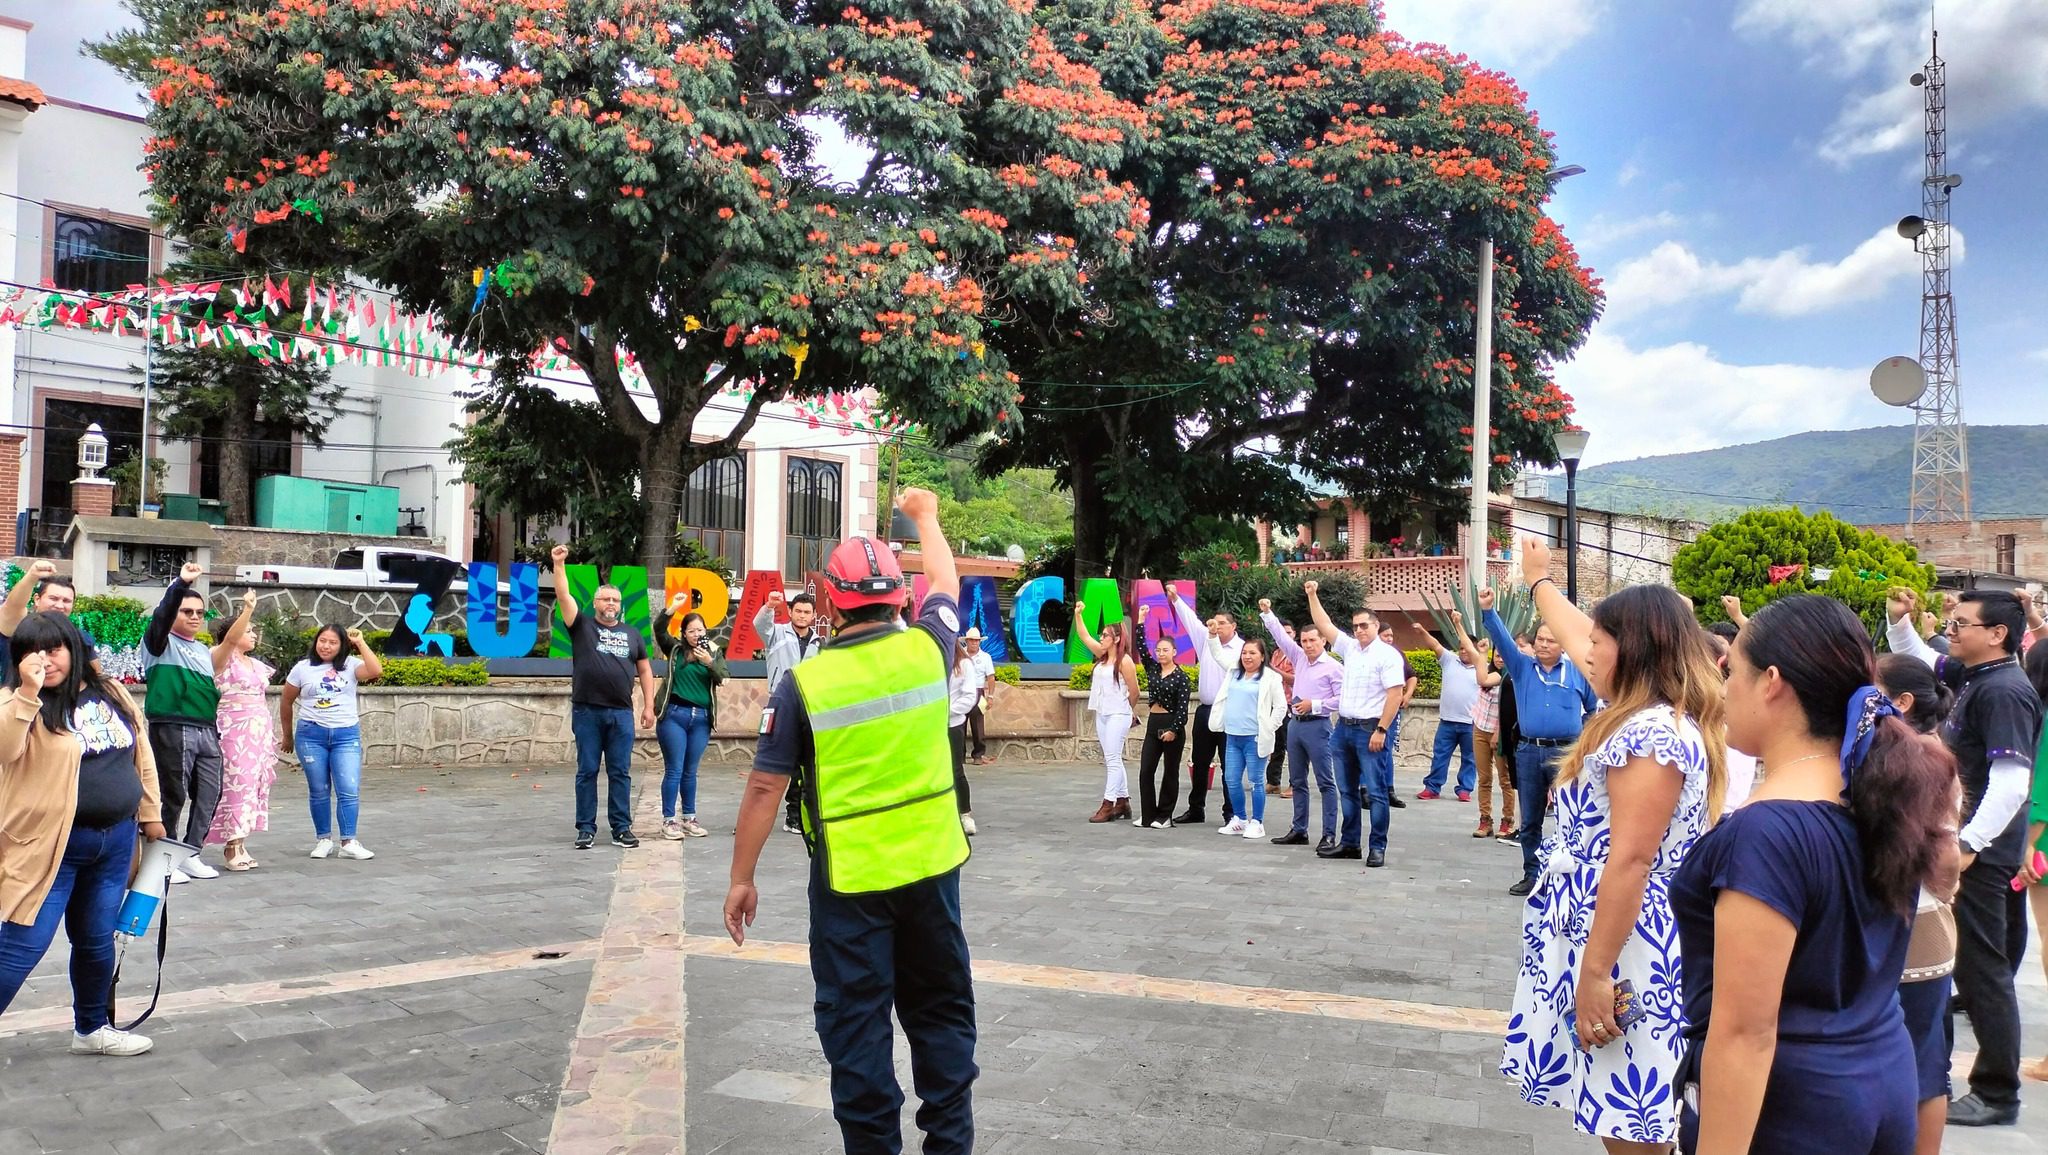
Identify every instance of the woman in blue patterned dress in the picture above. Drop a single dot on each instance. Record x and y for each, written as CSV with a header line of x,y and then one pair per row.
x,y
1635,793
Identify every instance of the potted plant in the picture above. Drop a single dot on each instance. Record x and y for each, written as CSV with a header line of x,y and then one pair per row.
x,y
127,479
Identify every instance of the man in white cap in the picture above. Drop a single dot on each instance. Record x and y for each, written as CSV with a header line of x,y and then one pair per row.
x,y
970,646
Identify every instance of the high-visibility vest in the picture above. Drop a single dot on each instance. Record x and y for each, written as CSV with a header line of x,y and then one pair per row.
x,y
879,805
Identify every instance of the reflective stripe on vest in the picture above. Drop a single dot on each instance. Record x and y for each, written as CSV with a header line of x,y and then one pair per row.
x,y
880,806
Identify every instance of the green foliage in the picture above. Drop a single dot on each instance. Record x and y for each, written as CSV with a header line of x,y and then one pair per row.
x,y
1228,580
1009,675
433,672
1318,192
114,629
1513,602
127,479
1429,674
545,458
647,175
1734,557
107,604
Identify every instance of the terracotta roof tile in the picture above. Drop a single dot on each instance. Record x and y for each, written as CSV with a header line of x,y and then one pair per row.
x,y
22,92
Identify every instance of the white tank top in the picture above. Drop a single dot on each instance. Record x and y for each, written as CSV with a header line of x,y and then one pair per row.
x,y
1107,695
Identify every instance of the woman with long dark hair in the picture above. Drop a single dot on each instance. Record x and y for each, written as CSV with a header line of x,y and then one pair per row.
x,y
1595,1027
1166,731
689,711
1113,695
1923,700
77,783
328,734
1796,911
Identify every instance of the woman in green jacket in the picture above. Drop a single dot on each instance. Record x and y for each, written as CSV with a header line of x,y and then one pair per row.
x,y
2037,830
688,712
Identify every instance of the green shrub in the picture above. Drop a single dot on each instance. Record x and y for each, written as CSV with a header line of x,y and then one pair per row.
x,y
1429,674
433,672
1009,675
109,604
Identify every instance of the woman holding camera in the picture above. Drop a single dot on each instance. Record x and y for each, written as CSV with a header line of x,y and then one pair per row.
x,y
690,709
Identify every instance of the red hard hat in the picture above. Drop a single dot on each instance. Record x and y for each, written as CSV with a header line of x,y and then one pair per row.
x,y
863,572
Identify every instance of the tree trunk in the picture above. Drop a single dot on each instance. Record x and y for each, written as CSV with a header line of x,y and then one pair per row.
x,y
664,466
1091,521
237,428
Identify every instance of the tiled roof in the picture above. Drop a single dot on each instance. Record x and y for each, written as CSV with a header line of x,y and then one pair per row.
x,y
22,92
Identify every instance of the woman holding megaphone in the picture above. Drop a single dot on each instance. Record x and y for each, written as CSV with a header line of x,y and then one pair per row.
x,y
76,787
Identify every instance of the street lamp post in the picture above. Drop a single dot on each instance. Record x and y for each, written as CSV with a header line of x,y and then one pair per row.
x,y
1482,404
1571,447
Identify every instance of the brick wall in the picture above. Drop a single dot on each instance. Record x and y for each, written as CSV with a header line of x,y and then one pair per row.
x,y
10,490
1973,545
92,497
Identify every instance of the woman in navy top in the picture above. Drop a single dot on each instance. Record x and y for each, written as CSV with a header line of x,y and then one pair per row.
x,y
1794,912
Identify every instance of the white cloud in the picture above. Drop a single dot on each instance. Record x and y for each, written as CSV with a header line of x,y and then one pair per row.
x,y
1682,397
1505,34
1788,284
1603,230
1629,173
1994,47
2040,355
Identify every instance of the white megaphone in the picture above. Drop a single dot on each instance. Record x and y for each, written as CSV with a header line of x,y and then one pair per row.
x,y
145,895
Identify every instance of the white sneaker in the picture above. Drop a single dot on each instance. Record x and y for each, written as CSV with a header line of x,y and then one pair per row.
x,y
692,828
178,877
323,849
967,824
672,830
1234,826
108,1041
1162,824
197,868
355,850
1254,829
1138,821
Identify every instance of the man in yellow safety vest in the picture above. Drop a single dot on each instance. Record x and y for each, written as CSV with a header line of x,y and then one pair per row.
x,y
865,721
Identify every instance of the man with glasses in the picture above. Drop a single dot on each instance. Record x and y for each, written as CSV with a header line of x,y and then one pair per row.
x,y
1552,700
182,705
1359,745
1991,730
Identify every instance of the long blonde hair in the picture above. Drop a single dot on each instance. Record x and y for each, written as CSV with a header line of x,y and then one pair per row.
x,y
1661,658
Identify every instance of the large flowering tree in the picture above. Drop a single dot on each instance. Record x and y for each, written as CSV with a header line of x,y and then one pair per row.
x,y
1303,301
646,183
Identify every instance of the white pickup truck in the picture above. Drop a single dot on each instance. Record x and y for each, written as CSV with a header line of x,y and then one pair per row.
x,y
368,567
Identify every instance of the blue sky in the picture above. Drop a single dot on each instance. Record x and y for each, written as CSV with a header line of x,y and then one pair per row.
x,y
1746,161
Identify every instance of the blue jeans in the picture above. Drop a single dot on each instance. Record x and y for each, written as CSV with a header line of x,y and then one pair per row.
x,y
1244,770
605,732
333,760
1308,746
1452,736
1535,773
91,878
903,949
1364,780
683,733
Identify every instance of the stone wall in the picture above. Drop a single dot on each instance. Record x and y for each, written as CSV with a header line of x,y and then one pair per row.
x,y
525,722
323,605
253,545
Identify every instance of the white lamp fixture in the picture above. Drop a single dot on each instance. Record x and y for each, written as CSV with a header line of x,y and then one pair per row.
x,y
1571,444
92,452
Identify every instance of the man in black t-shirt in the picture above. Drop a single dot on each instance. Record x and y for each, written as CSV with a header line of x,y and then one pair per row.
x,y
1992,730
606,655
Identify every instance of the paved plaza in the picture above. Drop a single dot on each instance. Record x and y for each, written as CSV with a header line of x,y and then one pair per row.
x,y
482,988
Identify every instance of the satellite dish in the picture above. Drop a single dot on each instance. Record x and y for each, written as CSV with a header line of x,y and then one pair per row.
x,y
1898,381
1014,553
1917,79
1911,227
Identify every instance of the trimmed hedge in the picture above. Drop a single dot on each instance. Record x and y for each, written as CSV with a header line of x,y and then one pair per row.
x,y
432,672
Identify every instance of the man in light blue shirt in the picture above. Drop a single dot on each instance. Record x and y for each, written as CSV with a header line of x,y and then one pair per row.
x,y
1552,700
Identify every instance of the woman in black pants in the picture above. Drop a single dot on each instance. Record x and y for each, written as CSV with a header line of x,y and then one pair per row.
x,y
1166,733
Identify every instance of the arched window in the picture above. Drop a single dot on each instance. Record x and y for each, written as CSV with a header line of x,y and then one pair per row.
x,y
714,513
815,521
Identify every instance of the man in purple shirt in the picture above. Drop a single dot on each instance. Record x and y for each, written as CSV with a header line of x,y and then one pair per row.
x,y
1318,683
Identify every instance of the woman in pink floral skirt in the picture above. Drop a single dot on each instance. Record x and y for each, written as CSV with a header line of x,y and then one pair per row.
x,y
248,740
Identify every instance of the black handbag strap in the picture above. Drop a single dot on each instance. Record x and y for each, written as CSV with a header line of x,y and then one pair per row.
x,y
163,936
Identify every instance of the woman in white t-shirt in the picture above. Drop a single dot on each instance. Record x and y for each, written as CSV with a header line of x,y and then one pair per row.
x,y
328,736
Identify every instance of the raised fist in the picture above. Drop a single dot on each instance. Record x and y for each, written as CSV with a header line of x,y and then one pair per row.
x,y
355,637
1310,587
248,601
917,504
1144,611
190,572
1901,602
1265,605
774,598
1485,599
1535,561
559,554
31,667
682,601
42,570
1949,602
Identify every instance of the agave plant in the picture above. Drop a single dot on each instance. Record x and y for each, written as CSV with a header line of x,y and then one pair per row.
x,y
1511,601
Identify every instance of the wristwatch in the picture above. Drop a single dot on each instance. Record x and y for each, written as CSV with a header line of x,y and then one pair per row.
x,y
1379,729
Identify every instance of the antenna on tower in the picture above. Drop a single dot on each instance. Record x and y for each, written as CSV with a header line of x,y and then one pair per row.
x,y
1941,444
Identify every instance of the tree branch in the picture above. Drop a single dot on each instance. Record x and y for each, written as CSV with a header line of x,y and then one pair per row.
x,y
598,356
1233,436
